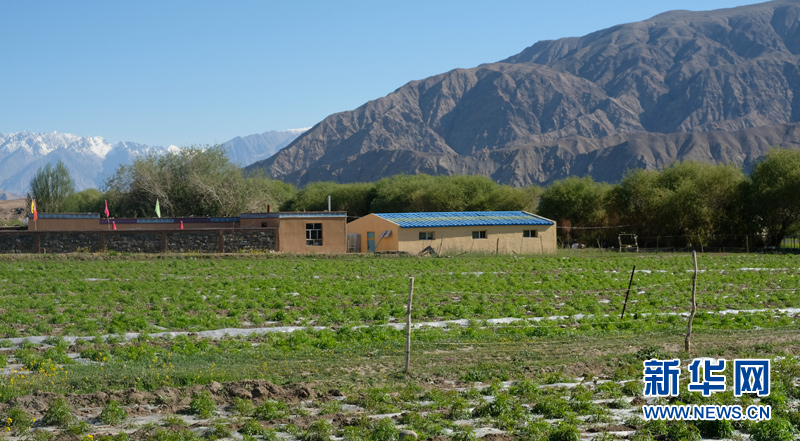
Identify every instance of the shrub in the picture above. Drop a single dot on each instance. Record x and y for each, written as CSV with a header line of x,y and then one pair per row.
x,y
619,403
632,388
243,407
271,410
79,428
354,433
503,404
682,431
332,406
174,435
776,429
202,405
534,430
552,408
656,427
319,430
113,414
173,421
384,430
40,435
564,432
59,414
464,434
253,428
459,409
715,428
18,420
427,426
217,431
642,435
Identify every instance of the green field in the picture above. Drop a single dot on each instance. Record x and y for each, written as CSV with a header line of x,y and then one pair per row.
x,y
98,295
350,366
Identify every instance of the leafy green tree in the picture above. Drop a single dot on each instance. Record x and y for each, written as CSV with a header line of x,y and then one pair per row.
x,y
395,194
261,193
87,201
773,194
403,193
50,186
638,202
192,182
687,203
355,199
704,201
576,203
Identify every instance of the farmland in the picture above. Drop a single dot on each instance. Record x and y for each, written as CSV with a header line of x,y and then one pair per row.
x,y
523,347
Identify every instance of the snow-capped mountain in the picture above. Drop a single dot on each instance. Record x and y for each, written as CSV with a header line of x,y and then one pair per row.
x,y
245,150
92,159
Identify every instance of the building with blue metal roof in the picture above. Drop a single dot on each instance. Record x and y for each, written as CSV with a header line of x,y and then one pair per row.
x,y
502,232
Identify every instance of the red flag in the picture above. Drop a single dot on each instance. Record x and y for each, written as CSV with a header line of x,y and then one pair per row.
x,y
181,225
33,210
114,224
106,210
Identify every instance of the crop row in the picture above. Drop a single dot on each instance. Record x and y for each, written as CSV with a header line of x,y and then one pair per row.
x,y
87,296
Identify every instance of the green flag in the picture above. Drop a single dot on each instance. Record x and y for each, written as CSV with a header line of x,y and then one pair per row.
x,y
158,209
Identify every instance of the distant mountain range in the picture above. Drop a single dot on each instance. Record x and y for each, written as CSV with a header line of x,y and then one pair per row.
x,y
93,159
719,86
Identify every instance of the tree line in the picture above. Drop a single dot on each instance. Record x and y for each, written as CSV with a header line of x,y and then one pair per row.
x,y
195,181
686,204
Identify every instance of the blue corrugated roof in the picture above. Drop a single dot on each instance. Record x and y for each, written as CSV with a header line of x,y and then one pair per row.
x,y
66,216
293,214
463,219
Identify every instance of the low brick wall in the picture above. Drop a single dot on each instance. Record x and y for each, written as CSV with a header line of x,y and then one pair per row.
x,y
146,241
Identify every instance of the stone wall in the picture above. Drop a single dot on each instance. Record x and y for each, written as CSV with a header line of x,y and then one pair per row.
x,y
194,241
188,241
69,242
16,243
133,242
250,240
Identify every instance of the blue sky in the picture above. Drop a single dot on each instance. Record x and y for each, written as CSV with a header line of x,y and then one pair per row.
x,y
202,72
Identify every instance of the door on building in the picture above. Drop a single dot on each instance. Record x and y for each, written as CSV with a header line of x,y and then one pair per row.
x,y
371,241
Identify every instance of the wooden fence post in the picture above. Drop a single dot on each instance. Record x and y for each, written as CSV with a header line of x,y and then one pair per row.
x,y
687,343
408,324
625,305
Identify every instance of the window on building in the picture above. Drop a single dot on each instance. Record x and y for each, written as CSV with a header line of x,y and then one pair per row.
x,y
479,234
529,233
426,235
314,235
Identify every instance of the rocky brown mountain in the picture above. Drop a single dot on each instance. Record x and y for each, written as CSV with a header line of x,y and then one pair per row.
x,y
719,86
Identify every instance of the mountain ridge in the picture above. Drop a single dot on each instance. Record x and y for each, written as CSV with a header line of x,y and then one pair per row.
x,y
92,159
541,114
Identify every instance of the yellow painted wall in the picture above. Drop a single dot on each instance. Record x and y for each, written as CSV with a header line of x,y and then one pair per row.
x,y
505,239
272,222
292,235
377,225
